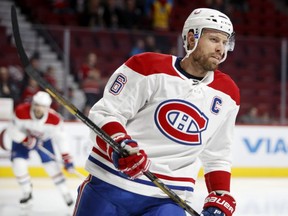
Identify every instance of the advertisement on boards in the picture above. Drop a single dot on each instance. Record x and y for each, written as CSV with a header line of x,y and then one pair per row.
x,y
254,147
260,146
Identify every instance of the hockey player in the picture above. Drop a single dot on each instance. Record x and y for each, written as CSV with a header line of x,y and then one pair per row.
x,y
36,124
172,114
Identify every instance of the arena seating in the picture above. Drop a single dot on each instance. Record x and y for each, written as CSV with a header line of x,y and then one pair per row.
x,y
255,64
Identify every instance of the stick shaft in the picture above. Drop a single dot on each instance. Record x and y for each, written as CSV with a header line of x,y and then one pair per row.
x,y
53,157
74,111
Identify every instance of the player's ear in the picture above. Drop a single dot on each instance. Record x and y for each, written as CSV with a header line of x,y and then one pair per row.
x,y
190,40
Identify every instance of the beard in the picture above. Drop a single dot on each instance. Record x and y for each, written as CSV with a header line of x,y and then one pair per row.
x,y
38,114
204,61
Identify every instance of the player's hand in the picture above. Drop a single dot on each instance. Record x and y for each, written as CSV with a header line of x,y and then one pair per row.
x,y
68,162
219,204
212,211
134,165
31,142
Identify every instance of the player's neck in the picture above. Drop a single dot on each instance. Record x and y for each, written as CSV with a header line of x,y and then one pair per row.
x,y
192,69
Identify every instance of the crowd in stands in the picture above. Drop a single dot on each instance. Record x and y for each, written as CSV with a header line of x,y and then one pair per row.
x,y
8,87
157,15
91,81
22,87
254,116
136,14
153,15
129,14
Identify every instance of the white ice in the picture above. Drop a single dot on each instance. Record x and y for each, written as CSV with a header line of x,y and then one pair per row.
x,y
255,197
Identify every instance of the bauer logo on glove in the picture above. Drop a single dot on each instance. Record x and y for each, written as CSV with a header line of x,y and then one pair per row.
x,y
224,202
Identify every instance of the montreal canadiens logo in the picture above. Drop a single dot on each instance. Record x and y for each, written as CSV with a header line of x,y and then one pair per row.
x,y
181,121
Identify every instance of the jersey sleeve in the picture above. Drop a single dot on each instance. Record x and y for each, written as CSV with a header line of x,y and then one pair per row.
x,y
16,131
125,93
216,157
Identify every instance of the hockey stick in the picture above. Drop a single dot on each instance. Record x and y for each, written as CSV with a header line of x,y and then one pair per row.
x,y
74,111
53,157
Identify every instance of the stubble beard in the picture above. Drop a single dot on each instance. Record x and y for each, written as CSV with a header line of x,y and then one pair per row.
x,y
38,114
204,63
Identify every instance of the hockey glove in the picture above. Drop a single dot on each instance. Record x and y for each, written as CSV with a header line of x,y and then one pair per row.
x,y
212,211
134,165
31,142
68,162
219,204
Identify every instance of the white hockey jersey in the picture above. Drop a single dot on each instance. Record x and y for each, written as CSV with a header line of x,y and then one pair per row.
x,y
50,126
175,119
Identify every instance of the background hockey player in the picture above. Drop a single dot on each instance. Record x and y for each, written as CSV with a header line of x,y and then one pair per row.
x,y
170,113
36,124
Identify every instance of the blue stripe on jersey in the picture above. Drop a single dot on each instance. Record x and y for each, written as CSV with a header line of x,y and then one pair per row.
x,y
114,172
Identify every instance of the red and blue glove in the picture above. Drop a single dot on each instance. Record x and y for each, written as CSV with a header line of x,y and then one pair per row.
x,y
219,204
133,165
68,162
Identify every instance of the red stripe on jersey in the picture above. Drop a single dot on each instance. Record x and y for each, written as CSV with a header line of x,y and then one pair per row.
x,y
224,83
95,150
151,63
180,179
160,176
53,118
110,128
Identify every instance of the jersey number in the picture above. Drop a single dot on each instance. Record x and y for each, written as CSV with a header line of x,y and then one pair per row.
x,y
118,84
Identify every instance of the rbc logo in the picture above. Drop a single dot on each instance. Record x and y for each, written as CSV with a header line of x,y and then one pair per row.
x,y
181,121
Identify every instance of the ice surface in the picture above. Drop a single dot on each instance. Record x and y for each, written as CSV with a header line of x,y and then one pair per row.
x,y
254,196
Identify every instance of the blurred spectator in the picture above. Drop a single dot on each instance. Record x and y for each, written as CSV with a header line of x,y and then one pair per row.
x,y
132,15
8,88
150,44
92,89
77,98
266,118
16,73
139,47
112,14
49,76
35,64
29,91
89,64
148,5
64,6
160,15
252,117
92,15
